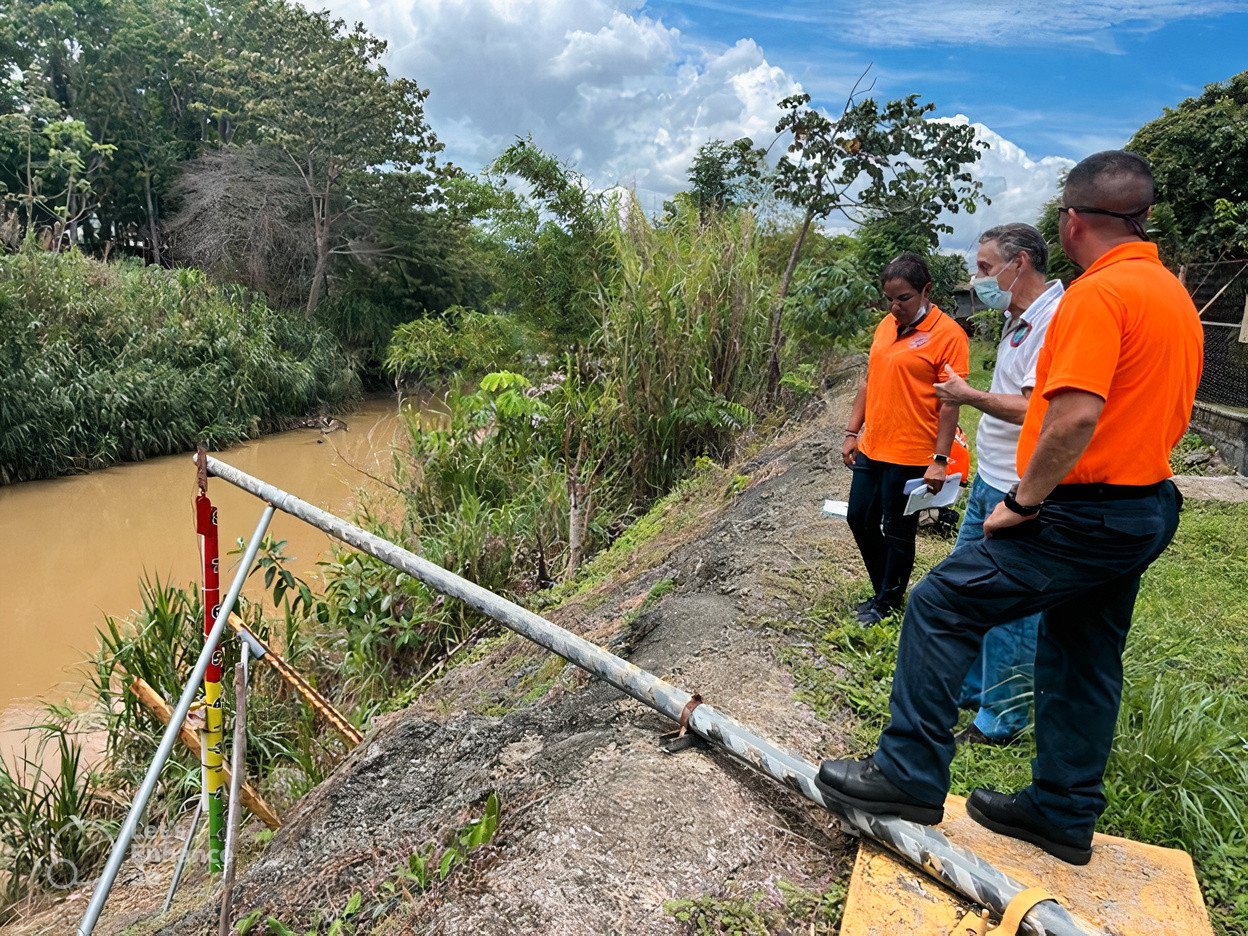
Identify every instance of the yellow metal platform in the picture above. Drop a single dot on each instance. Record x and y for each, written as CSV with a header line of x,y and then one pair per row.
x,y
1127,889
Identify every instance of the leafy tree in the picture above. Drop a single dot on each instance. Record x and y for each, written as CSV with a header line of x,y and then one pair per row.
x,y
46,164
885,234
322,100
1199,154
888,158
1060,266
722,173
830,303
558,233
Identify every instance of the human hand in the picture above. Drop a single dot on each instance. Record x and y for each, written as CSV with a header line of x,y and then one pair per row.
x,y
1002,518
953,389
849,450
934,477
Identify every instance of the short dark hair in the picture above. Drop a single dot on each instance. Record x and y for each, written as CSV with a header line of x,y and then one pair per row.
x,y
1117,180
909,267
1013,239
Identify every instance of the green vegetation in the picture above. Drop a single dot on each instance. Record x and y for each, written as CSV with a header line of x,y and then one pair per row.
x,y
1178,775
777,907
103,363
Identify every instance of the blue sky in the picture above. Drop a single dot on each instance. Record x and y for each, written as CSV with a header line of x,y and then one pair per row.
x,y
627,91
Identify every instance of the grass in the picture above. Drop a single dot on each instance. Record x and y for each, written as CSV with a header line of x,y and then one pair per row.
x,y
1178,774
777,907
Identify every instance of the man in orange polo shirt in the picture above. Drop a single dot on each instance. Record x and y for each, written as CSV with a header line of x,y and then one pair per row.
x,y
1094,507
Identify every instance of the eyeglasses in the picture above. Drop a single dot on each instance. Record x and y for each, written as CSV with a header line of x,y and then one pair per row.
x,y
1131,219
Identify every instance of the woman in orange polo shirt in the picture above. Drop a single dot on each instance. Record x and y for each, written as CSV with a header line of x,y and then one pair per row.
x,y
898,430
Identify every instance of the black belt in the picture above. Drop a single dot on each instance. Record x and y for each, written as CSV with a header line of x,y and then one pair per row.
x,y
1098,491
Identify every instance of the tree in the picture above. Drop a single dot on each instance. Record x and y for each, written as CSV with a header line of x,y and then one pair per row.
x,y
721,174
890,159
558,233
322,100
46,164
1199,155
244,215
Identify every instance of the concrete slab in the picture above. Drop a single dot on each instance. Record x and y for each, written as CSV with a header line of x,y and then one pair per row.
x,y
1127,889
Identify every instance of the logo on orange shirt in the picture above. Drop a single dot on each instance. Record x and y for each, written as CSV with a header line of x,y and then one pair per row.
x,y
920,339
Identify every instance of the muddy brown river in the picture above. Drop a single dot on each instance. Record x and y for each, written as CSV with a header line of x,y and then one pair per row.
x,y
72,550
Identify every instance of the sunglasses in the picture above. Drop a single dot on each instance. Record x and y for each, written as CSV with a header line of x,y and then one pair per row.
x,y
1129,218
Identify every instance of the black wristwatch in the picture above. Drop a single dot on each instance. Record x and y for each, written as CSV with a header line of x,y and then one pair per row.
x,y
1016,507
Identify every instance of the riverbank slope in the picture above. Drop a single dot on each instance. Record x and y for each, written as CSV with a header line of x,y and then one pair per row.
x,y
598,830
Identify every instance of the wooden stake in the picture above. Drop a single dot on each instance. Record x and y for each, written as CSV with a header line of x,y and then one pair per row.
x,y
249,797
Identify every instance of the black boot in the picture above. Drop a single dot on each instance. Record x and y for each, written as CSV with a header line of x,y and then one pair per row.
x,y
861,783
1002,813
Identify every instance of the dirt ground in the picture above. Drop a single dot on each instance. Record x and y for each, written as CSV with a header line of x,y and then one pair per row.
x,y
598,827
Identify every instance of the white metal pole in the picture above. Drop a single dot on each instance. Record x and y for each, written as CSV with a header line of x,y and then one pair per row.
x,y
124,837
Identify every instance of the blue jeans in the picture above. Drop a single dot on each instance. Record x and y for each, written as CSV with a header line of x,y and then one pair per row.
x,y
1079,564
999,683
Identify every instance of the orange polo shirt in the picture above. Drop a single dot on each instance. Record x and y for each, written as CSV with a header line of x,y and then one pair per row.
x,y
902,409
1127,331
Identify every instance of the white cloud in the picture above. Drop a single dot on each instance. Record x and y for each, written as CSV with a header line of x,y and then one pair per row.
x,y
625,98
1017,185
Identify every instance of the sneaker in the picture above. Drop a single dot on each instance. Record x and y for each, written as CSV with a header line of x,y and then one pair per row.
x,y
1002,814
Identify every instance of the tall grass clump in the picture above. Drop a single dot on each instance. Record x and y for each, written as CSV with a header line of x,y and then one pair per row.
x,y
102,363
535,466
683,337
55,824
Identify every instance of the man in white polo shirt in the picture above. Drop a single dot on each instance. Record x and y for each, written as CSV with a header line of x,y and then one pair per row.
x,y
1012,262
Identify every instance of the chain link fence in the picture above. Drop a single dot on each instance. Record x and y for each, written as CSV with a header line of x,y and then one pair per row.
x,y
1220,291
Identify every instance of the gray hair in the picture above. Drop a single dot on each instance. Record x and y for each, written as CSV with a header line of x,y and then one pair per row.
x,y
1013,239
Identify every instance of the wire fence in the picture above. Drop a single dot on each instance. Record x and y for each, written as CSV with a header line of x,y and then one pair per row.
x,y
1220,291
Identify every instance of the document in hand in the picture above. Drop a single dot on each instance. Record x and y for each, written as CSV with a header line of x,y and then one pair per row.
x,y
921,498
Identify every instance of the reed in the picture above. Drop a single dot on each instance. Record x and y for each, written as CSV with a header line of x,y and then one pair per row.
x,y
103,363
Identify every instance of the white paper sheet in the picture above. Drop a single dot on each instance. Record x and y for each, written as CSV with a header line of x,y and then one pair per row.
x,y
921,498
836,508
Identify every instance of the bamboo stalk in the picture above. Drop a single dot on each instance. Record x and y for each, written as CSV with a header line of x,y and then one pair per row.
x,y
295,680
158,707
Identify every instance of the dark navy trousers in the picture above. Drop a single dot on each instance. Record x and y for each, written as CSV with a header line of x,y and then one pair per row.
x,y
1080,564
885,536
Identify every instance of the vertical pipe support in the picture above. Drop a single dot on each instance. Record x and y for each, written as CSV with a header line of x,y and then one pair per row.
x,y
126,834
238,766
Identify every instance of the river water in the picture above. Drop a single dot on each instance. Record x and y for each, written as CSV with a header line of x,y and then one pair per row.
x,y
72,549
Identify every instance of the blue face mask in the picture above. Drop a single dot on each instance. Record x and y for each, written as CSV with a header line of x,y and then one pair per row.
x,y
990,293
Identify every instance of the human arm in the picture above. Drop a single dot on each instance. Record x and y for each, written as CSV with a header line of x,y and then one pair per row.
x,y
1068,426
947,425
857,417
1008,407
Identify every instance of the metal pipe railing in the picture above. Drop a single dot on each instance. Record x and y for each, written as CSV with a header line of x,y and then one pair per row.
x,y
128,828
926,848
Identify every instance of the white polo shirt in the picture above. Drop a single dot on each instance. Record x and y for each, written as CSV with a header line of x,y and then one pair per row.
x,y
996,441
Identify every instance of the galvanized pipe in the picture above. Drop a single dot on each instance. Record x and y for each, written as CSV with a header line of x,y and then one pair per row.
x,y
186,850
128,828
238,767
924,847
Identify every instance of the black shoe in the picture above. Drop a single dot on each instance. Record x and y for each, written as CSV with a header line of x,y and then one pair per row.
x,y
861,783
864,605
871,614
1001,813
972,735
